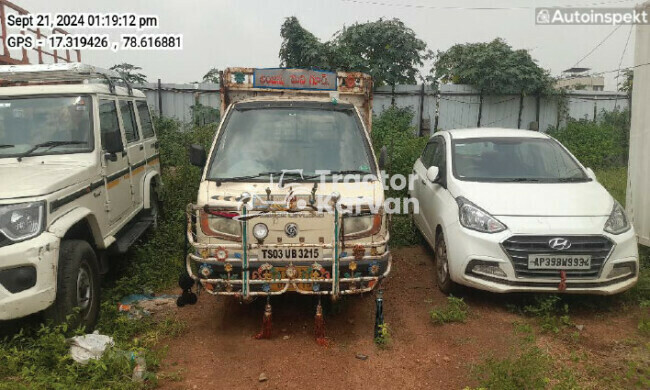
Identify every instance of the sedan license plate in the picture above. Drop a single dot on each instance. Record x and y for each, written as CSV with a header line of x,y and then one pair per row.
x,y
292,254
559,262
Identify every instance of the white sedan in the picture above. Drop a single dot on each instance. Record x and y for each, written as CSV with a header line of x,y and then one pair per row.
x,y
514,210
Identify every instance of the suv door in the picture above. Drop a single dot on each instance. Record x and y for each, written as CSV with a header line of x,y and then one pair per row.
x,y
134,148
116,166
149,135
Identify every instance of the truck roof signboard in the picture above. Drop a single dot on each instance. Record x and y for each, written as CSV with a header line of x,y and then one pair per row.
x,y
283,78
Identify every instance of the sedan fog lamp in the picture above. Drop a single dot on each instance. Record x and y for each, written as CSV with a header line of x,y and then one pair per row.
x,y
620,270
488,270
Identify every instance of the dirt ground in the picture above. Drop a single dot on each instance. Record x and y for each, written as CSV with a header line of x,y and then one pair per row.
x,y
218,351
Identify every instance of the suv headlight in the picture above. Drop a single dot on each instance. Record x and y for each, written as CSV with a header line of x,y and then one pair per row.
x,y
617,222
475,218
19,222
355,226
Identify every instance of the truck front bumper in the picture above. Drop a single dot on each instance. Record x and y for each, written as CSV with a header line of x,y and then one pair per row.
x,y
28,273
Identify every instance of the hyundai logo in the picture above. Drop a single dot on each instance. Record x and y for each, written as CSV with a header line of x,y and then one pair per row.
x,y
559,243
291,230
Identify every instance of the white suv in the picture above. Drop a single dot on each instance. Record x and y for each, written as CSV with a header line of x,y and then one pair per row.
x,y
80,171
513,210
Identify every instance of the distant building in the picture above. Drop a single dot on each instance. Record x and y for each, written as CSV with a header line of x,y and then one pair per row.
x,y
579,79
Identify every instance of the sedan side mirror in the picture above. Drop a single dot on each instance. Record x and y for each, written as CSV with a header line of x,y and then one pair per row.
x,y
197,155
383,156
591,174
432,173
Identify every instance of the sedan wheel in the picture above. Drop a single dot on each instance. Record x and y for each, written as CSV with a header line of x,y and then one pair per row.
x,y
445,284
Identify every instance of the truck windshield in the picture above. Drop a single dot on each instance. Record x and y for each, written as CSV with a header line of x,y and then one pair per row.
x,y
514,160
45,125
257,141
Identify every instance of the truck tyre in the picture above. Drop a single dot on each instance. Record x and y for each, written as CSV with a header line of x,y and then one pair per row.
x,y
445,284
78,285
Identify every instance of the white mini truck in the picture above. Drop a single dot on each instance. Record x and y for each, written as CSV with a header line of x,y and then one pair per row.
x,y
261,225
79,175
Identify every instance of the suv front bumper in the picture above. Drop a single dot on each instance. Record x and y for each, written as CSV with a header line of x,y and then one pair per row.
x,y
29,272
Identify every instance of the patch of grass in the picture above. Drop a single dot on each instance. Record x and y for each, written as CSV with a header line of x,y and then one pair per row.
x,y
552,313
455,311
615,181
384,339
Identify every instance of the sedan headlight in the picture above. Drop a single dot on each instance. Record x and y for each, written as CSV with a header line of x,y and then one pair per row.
x,y
475,218
617,222
361,225
22,221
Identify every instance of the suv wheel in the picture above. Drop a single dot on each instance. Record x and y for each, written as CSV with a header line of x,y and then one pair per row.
x,y
77,285
445,284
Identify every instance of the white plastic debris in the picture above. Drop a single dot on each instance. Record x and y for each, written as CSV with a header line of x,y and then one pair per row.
x,y
139,370
89,346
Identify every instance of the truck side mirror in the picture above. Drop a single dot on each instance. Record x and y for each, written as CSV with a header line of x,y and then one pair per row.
x,y
197,155
383,156
112,142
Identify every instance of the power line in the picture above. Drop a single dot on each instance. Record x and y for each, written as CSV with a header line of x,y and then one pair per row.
x,y
598,45
422,6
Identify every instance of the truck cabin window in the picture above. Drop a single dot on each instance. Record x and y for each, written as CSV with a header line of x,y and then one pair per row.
x,y
514,160
273,139
45,125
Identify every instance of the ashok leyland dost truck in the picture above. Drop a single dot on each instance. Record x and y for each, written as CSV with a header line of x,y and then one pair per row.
x,y
79,174
273,214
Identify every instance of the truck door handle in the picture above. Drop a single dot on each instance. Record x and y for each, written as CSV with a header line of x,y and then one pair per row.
x,y
141,147
123,153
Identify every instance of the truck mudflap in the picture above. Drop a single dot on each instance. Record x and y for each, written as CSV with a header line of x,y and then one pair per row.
x,y
235,268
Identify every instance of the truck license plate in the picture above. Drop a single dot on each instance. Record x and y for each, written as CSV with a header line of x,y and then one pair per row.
x,y
291,254
559,261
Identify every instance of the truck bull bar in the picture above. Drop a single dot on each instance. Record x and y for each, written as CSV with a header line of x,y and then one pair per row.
x,y
242,276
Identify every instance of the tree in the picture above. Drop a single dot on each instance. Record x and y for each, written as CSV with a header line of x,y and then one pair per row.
x,y
300,48
386,49
492,67
130,73
628,83
212,76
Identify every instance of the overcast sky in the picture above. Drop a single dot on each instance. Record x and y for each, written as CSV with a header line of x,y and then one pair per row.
x,y
221,33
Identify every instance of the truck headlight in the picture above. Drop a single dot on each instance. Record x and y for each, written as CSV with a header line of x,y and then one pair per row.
x,y
475,218
220,224
356,226
617,222
19,222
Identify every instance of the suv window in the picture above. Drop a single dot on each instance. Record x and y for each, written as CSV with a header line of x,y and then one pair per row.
x,y
108,122
145,119
128,118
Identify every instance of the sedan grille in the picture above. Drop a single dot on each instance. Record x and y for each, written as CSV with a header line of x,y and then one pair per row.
x,y
519,247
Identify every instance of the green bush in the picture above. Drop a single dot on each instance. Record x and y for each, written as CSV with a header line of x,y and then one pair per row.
x,y
455,311
597,145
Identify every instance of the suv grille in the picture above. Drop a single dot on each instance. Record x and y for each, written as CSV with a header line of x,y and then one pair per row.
x,y
519,247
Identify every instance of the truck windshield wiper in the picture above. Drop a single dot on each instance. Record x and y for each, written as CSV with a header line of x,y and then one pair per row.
x,y
350,172
6,146
49,145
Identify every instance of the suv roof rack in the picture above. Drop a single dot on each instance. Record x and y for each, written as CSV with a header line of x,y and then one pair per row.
x,y
63,72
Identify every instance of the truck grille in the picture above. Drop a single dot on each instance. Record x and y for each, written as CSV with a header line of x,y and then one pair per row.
x,y
519,247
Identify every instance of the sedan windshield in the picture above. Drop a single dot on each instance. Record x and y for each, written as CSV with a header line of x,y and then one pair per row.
x,y
514,160
259,141
45,125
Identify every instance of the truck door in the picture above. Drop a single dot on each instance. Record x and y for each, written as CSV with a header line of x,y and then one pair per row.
x,y
134,148
116,166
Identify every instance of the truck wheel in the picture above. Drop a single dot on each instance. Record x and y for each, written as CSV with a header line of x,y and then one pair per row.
x,y
77,285
445,284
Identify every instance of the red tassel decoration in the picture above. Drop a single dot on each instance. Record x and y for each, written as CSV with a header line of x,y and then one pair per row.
x,y
562,285
319,326
266,324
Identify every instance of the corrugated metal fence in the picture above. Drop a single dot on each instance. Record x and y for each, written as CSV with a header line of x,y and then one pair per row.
x,y
452,107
